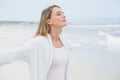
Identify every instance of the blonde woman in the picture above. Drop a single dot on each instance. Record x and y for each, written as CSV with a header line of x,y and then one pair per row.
x,y
47,53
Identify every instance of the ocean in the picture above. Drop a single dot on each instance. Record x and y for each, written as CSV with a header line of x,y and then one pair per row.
x,y
97,57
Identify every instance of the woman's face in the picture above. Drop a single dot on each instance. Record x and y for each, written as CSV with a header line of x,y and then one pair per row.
x,y
58,18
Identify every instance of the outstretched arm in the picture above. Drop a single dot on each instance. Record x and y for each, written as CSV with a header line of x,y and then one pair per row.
x,y
19,53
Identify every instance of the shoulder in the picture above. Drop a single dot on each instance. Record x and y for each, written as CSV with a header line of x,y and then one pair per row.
x,y
36,41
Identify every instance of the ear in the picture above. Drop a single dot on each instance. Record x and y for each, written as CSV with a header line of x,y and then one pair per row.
x,y
49,21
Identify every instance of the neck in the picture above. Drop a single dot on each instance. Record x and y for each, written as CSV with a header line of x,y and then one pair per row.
x,y
55,32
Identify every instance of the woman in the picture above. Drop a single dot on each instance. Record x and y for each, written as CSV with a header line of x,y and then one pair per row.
x,y
47,53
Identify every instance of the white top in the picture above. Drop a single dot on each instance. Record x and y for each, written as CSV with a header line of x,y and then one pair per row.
x,y
59,64
38,53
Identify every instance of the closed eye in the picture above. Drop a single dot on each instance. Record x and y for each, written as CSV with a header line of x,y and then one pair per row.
x,y
59,13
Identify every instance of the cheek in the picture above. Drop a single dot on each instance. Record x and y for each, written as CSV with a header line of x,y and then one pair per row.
x,y
56,20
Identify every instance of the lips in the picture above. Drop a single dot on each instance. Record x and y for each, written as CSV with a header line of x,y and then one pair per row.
x,y
64,20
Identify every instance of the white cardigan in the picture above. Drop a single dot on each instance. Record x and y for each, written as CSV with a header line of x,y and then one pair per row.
x,y
37,53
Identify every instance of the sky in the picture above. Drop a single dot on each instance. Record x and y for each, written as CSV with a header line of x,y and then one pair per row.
x,y
30,10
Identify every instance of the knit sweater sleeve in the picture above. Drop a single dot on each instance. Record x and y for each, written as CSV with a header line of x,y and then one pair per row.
x,y
19,53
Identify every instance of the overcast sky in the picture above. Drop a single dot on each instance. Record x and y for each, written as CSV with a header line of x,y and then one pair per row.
x,y
29,10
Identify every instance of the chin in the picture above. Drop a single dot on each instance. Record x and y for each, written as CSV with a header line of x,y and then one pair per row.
x,y
64,25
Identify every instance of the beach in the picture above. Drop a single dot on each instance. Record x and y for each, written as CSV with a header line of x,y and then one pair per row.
x,y
97,57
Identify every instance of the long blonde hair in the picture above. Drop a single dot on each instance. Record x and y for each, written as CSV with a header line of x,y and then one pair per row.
x,y
44,27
